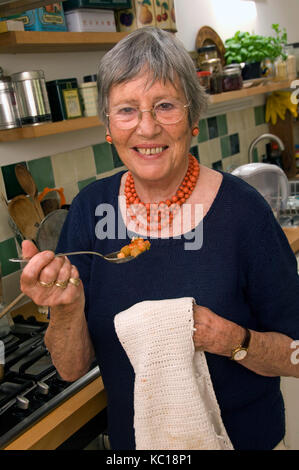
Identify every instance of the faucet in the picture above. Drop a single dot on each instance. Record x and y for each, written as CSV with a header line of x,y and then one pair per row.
x,y
262,137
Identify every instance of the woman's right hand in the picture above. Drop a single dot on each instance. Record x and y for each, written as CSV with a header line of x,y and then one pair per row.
x,y
44,270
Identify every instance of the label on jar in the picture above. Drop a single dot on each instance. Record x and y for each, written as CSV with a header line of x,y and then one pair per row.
x,y
72,103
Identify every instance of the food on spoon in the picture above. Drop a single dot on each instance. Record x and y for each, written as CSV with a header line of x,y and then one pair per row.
x,y
135,248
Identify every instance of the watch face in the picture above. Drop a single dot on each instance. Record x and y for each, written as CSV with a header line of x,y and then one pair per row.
x,y
241,354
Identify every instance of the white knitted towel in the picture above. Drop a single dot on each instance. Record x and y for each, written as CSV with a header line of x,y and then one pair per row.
x,y
175,406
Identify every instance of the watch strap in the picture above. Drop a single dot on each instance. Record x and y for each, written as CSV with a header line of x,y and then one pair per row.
x,y
244,345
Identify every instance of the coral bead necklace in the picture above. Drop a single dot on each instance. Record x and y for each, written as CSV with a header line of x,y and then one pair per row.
x,y
156,216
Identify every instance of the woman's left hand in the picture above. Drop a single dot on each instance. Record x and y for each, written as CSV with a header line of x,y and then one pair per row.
x,y
215,334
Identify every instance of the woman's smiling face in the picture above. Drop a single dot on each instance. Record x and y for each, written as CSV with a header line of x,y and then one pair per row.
x,y
152,151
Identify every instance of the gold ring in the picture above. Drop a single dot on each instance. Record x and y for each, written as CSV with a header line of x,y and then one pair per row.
x,y
74,281
46,284
62,284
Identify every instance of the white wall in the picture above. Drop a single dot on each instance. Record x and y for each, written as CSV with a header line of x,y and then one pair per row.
x,y
229,16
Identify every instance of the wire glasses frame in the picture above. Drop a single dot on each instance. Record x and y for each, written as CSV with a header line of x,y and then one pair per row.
x,y
170,117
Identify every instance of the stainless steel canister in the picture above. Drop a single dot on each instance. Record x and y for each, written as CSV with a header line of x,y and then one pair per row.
x,y
9,116
32,98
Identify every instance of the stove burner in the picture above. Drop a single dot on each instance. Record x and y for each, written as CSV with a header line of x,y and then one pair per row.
x,y
31,386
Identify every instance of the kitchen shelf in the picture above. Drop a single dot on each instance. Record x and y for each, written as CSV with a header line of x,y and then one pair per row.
x,y
51,128
247,92
14,42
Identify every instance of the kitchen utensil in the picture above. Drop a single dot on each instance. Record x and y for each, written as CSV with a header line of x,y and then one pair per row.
x,y
59,192
32,98
5,322
9,114
23,213
27,182
8,307
207,36
48,232
49,205
111,257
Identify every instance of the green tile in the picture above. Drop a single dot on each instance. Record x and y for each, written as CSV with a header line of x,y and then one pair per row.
x,y
234,144
116,160
42,173
222,124
213,127
103,157
225,146
255,158
217,165
83,183
12,186
8,250
259,115
203,135
194,151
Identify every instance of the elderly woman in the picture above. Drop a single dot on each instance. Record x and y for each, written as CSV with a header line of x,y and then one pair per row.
x,y
227,252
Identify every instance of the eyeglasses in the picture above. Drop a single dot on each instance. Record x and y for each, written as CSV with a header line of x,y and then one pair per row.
x,y
165,112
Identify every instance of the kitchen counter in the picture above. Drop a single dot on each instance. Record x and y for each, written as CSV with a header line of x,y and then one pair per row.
x,y
61,423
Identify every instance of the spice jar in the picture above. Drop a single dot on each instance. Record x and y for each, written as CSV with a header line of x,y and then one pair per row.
x,y
89,94
232,79
212,65
206,53
204,79
216,85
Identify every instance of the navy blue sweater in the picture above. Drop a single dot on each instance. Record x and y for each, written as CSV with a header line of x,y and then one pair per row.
x,y
245,271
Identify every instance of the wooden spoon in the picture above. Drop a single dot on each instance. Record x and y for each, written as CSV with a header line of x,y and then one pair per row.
x,y
27,182
23,212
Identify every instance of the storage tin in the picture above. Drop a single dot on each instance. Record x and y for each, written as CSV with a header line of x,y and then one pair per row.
x,y
31,96
64,99
47,18
89,20
9,114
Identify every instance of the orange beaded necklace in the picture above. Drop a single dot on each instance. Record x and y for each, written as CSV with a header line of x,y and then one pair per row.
x,y
158,215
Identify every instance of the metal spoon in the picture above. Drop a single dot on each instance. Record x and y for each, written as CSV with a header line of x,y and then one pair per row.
x,y
111,257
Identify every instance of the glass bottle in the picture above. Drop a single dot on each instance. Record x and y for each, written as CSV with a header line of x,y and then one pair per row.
x,y
281,72
291,62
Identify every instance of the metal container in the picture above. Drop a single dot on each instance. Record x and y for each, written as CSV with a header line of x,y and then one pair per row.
x,y
9,115
32,98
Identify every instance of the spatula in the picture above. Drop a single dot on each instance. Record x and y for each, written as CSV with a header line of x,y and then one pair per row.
x,y
27,182
23,213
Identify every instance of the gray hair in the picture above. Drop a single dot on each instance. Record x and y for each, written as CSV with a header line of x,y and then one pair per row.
x,y
163,55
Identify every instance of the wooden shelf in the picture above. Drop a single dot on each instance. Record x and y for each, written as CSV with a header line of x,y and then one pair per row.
x,y
51,128
247,92
14,42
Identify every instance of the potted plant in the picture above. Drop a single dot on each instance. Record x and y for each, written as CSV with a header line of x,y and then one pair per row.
x,y
252,49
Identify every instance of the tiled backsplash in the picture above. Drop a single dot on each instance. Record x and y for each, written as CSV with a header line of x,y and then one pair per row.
x,y
222,144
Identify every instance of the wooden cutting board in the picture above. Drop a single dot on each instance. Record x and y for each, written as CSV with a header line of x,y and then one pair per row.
x,y
292,234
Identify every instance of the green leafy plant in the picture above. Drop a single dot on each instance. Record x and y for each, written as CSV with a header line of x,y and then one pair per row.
x,y
246,47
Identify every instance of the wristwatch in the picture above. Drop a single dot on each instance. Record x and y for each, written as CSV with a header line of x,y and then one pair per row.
x,y
240,352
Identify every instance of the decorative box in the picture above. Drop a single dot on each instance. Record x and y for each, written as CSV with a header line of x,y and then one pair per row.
x,y
89,20
47,18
